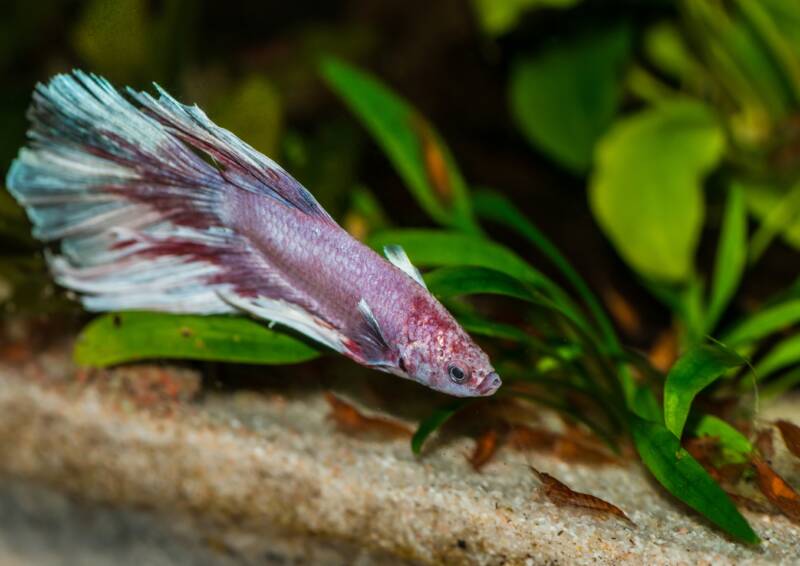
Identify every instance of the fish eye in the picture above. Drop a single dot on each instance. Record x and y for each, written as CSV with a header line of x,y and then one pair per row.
x,y
457,375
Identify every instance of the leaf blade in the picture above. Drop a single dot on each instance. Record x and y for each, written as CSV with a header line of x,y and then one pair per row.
x,y
731,256
136,335
694,371
654,220
685,478
415,149
565,97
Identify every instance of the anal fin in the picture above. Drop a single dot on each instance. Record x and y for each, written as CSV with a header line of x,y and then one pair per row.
x,y
291,315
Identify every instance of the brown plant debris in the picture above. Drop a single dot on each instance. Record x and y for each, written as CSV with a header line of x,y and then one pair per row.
x,y
350,420
764,443
572,446
791,436
622,311
562,495
775,488
664,350
485,448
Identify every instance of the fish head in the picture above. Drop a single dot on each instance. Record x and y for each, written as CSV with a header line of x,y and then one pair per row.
x,y
439,354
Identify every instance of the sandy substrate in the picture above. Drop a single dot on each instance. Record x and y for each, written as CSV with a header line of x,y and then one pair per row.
x,y
246,474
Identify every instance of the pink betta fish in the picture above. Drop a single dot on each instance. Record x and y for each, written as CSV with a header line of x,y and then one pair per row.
x,y
158,208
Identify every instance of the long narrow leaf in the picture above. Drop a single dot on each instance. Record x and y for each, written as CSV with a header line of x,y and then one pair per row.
x,y
685,478
764,323
785,354
694,371
131,336
434,422
493,206
731,257
437,248
409,141
453,281
735,446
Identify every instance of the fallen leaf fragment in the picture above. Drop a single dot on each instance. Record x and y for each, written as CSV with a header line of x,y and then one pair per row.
x,y
561,494
764,443
665,350
622,311
485,448
349,419
572,446
752,505
775,488
791,436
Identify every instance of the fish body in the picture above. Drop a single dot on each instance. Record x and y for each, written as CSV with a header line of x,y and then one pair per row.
x,y
158,208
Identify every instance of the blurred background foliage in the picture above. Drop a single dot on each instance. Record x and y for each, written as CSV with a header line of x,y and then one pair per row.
x,y
619,127
656,143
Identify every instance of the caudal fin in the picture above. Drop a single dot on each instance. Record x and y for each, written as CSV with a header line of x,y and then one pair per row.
x,y
120,181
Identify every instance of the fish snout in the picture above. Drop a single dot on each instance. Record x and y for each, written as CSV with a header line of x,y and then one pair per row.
x,y
490,384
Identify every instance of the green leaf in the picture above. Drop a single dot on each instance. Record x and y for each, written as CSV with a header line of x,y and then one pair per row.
x,y
685,478
699,367
434,248
780,385
785,354
480,326
565,97
645,191
415,149
779,213
129,336
453,281
434,421
496,17
735,446
763,323
731,256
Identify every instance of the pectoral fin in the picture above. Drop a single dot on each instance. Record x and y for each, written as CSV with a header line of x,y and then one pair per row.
x,y
370,340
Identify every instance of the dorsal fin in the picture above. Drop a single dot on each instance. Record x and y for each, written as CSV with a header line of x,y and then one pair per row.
x,y
398,257
242,165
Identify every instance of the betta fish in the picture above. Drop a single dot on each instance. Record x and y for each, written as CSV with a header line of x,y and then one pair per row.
x,y
158,208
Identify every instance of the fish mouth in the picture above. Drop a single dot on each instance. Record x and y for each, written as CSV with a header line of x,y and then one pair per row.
x,y
490,384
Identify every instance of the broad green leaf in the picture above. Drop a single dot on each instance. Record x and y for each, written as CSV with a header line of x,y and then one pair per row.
x,y
129,336
499,16
495,207
685,478
435,248
763,323
785,354
434,422
565,97
645,191
699,367
735,446
415,149
731,256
